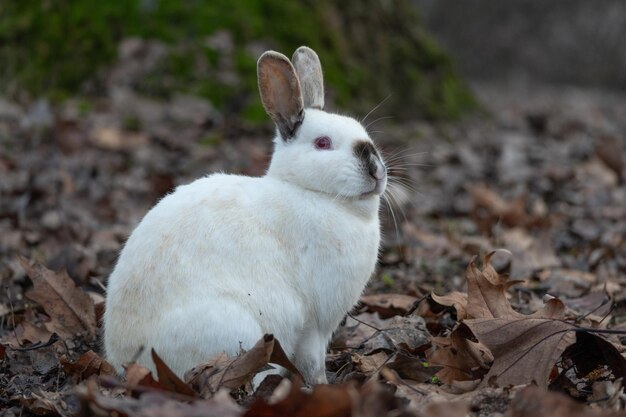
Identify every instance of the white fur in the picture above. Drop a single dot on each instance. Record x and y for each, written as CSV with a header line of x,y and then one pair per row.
x,y
223,260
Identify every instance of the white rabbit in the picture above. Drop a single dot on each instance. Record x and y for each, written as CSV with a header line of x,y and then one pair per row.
x,y
223,260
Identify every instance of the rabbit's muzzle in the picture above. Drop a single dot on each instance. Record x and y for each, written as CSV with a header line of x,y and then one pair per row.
x,y
373,164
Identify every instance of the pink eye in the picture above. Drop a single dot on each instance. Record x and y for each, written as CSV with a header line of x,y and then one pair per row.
x,y
323,143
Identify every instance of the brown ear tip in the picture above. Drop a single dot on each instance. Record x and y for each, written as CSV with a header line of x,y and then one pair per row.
x,y
272,56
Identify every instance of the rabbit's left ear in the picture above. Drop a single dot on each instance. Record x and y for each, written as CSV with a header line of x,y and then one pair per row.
x,y
309,70
280,93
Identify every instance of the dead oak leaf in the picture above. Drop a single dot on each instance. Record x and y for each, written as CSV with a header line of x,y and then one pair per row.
x,y
88,364
486,291
27,333
323,401
489,208
462,359
455,299
168,379
140,376
233,372
70,309
152,404
534,401
389,305
525,349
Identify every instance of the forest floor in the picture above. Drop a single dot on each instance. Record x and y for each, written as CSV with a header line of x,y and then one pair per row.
x,y
445,328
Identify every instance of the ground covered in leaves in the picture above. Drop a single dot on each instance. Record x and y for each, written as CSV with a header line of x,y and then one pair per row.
x,y
502,280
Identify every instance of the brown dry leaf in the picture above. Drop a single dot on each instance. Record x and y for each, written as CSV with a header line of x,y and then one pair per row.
x,y
455,299
447,409
567,283
536,402
531,253
607,393
356,329
115,139
45,403
26,332
377,400
486,291
490,208
88,364
232,373
153,404
70,309
461,358
410,367
137,375
405,333
368,364
389,305
168,379
516,343
525,349
323,401
610,149
592,352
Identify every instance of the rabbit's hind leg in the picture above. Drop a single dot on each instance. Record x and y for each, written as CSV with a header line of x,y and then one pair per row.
x,y
192,334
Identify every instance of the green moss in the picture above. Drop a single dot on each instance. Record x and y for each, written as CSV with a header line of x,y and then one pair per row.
x,y
131,123
369,48
211,140
388,280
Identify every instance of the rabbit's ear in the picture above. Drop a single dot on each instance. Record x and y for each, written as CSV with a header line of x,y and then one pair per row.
x,y
309,71
280,93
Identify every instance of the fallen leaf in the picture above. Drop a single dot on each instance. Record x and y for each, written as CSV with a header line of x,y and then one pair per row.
x,y
514,342
370,363
46,403
356,329
153,404
70,309
490,208
525,349
607,393
592,352
377,400
405,333
455,299
410,367
460,358
530,253
537,402
389,305
168,379
115,139
232,373
323,401
88,364
487,291
26,332
610,149
447,409
137,375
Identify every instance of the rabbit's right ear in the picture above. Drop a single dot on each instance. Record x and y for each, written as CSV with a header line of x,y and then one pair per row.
x,y
280,93
309,70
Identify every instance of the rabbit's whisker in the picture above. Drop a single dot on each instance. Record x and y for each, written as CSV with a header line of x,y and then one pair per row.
x,y
377,120
374,109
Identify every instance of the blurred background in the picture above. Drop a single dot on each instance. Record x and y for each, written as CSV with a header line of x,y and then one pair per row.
x,y
503,122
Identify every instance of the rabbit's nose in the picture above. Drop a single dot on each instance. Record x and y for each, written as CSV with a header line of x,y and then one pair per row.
x,y
376,169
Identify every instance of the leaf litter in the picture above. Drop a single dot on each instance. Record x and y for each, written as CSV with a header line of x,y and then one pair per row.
x,y
437,333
